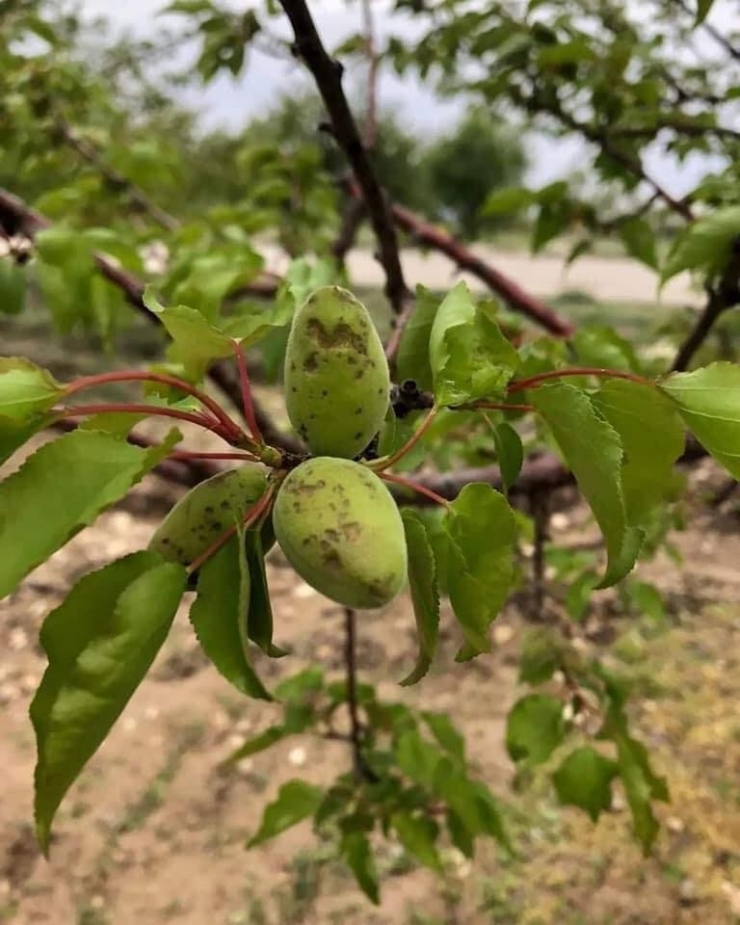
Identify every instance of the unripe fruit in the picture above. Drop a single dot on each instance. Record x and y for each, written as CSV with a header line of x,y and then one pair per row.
x,y
337,384
207,510
340,529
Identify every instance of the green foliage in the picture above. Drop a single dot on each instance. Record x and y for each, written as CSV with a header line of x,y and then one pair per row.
x,y
584,779
535,727
424,593
100,643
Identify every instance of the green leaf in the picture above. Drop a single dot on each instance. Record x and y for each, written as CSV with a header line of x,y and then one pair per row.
x,y
259,619
445,733
584,779
480,568
708,400
534,728
641,786
647,599
424,593
412,361
578,595
601,346
14,434
61,488
703,8
12,288
652,439
469,356
296,801
305,276
219,615
509,453
706,244
100,643
507,201
543,652
355,849
417,758
418,835
593,451
639,240
25,389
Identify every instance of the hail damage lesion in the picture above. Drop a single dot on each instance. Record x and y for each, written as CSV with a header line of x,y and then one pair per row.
x,y
340,335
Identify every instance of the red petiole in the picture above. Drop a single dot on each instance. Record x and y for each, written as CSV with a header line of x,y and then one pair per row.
x,y
533,381
213,406
254,513
201,420
189,454
410,443
414,486
247,404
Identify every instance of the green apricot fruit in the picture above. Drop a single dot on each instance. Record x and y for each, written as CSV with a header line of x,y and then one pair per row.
x,y
340,529
337,384
209,509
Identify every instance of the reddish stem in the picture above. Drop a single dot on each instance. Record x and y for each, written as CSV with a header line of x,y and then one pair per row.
x,y
202,420
86,382
247,405
414,486
493,406
250,518
411,443
534,381
188,454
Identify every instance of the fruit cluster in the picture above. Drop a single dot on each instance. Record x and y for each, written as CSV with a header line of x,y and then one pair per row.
x,y
334,519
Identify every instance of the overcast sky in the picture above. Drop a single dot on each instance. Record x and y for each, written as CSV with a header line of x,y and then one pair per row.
x,y
228,103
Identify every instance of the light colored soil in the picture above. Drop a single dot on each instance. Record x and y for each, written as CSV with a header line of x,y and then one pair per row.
x,y
154,833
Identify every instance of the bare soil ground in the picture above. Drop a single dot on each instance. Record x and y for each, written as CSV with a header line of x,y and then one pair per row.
x,y
153,832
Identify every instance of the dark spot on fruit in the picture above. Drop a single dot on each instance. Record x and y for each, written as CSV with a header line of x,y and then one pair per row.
x,y
358,410
209,509
341,335
166,541
324,392
294,388
332,535
359,374
381,391
358,435
293,367
225,505
352,531
351,360
311,363
331,559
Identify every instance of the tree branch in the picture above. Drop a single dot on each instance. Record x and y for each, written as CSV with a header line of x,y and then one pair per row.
x,y
359,764
327,74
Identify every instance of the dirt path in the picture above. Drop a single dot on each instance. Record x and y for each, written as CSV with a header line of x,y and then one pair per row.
x,y
615,279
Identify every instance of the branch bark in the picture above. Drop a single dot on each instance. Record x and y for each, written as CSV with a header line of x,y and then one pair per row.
x,y
327,74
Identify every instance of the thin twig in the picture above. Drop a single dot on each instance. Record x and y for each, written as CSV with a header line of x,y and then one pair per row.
x,y
361,768
327,74
539,506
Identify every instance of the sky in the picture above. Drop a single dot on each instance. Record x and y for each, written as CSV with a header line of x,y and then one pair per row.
x,y
228,102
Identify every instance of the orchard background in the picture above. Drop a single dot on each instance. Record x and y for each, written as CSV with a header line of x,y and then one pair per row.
x,y
582,181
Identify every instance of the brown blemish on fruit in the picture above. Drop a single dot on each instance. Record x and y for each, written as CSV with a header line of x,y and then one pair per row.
x,y
341,335
311,363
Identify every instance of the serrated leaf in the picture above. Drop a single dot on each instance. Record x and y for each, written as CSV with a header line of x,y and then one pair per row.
x,y
424,593
219,614
12,287
706,244
509,453
297,800
26,390
584,779
469,356
708,400
100,643
534,728
652,439
61,488
480,568
259,619
356,852
593,451
418,835
639,239
14,434
412,361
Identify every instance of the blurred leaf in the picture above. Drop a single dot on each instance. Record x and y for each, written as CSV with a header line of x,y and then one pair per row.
x,y
26,389
418,835
534,728
601,346
355,850
12,287
413,361
584,779
639,239
259,621
296,801
440,725
509,453
705,244
703,8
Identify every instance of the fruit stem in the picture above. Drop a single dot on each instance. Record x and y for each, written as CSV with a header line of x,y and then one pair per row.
x,y
85,382
202,420
414,486
250,518
383,464
247,404
533,381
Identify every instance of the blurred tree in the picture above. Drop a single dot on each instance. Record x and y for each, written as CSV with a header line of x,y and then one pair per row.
x,y
466,166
